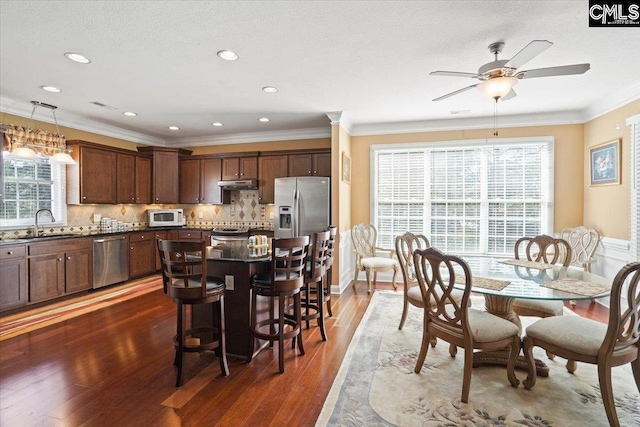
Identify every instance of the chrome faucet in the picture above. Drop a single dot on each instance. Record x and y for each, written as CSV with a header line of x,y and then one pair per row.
x,y
36,231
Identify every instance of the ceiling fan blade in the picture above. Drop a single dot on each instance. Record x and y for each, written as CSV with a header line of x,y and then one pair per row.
x,y
453,74
563,70
530,51
511,94
456,92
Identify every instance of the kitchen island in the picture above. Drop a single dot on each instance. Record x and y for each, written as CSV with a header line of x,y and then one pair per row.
x,y
235,262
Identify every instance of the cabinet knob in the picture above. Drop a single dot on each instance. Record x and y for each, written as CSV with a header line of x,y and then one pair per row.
x,y
309,172
157,199
131,247
59,259
142,237
68,257
133,199
315,172
84,197
10,253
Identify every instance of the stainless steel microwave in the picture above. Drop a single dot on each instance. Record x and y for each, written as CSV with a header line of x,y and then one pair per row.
x,y
165,217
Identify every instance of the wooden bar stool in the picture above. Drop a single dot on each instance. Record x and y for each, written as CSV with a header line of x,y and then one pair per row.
x,y
286,278
184,273
333,230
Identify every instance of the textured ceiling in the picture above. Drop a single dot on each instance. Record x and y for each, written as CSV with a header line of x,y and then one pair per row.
x,y
369,59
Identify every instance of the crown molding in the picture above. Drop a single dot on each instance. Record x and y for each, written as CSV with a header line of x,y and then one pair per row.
x,y
245,138
70,120
541,119
613,101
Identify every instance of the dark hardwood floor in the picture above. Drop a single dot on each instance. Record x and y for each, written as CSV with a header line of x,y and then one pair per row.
x,y
114,366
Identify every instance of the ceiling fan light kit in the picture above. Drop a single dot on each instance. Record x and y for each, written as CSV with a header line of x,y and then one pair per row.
x,y
497,87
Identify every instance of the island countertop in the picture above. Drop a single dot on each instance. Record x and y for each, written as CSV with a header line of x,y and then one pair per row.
x,y
238,249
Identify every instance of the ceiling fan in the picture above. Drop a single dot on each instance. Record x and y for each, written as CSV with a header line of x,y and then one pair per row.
x,y
498,77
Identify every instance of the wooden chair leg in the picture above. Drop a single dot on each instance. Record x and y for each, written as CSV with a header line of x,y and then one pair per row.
x,y
328,290
252,325
296,299
405,309
527,348
466,376
280,333
355,277
572,365
424,347
182,331
368,273
606,390
635,367
511,363
320,304
453,350
393,279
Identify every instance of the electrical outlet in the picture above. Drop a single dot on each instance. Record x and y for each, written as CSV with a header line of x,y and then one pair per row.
x,y
228,282
271,215
200,215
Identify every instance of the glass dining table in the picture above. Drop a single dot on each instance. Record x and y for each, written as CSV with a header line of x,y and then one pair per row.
x,y
502,280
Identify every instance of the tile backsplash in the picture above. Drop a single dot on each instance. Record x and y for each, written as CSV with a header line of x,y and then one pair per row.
x,y
243,211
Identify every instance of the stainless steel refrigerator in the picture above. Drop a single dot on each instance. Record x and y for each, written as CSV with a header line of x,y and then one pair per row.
x,y
302,205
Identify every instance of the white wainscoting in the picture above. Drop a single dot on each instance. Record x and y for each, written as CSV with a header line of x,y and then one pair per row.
x,y
346,264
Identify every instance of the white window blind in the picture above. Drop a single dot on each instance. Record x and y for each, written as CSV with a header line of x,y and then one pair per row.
x,y
634,127
29,186
466,197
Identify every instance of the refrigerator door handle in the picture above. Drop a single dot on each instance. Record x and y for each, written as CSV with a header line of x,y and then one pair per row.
x,y
296,213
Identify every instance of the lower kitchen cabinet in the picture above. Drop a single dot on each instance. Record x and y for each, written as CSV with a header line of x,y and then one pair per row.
x,y
192,235
142,253
60,267
13,270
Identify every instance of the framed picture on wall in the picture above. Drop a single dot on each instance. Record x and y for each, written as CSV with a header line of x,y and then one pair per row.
x,y
604,161
346,168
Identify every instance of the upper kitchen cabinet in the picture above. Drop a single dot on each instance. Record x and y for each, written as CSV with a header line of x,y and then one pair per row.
x,y
240,166
199,181
133,178
165,186
310,164
271,167
93,178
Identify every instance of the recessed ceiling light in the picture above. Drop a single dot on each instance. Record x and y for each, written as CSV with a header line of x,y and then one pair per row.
x,y
51,89
270,89
228,55
130,113
174,128
263,119
218,124
77,57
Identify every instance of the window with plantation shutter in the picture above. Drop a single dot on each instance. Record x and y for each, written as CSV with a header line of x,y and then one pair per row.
x,y
634,127
466,197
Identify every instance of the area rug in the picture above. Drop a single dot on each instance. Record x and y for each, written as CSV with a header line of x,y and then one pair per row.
x,y
376,385
20,323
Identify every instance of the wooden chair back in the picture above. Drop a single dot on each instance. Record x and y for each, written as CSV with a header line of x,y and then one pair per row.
x,y
318,256
288,263
184,268
544,248
446,315
584,242
624,313
333,231
364,238
405,246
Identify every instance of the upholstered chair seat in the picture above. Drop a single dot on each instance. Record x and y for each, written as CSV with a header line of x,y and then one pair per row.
x,y
537,307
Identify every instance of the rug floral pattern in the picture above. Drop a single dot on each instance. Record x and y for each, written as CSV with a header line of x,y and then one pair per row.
x,y
376,385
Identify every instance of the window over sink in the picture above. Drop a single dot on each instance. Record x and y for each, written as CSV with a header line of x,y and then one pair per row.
x,y
474,197
30,185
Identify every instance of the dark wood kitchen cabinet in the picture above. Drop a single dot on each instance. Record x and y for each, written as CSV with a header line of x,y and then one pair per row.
x,y
271,167
242,167
133,178
93,178
310,164
60,267
199,181
165,187
142,253
193,235
13,271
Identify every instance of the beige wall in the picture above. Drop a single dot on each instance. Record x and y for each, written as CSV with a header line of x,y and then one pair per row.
x,y
606,207
568,166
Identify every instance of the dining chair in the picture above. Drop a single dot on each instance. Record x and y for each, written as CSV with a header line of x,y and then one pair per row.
x,y
333,231
285,280
364,237
184,274
549,250
453,320
584,243
586,340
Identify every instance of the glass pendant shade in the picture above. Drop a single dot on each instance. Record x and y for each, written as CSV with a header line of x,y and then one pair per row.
x,y
497,87
23,153
63,158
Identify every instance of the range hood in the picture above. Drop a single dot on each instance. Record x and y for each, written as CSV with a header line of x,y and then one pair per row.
x,y
243,184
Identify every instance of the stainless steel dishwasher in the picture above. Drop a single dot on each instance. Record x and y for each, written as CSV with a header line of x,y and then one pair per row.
x,y
110,260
